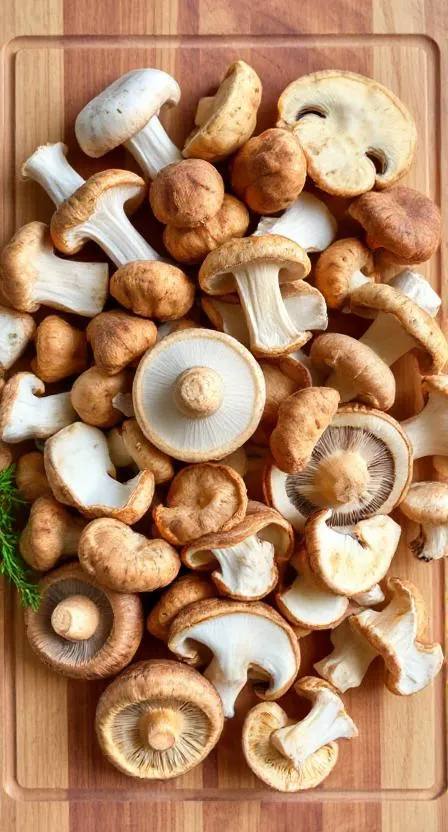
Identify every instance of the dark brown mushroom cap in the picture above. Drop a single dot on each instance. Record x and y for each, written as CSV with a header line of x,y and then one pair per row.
x,y
187,193
184,591
110,648
402,222
191,245
153,289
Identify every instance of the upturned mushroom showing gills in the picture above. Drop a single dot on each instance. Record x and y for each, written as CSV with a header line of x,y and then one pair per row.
x,y
255,266
50,534
25,413
243,560
153,290
360,466
82,448
158,720
81,629
127,112
198,395
16,329
427,431
306,602
121,559
341,268
128,447
307,222
426,503
244,638
292,756
355,133
61,350
180,594
31,275
224,121
48,166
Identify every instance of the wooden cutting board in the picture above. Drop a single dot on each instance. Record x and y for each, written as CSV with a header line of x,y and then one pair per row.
x,y
56,54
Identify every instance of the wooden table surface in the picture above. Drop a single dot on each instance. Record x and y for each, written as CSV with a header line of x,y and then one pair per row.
x,y
55,55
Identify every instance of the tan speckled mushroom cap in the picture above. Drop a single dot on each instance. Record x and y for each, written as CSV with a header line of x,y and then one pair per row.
x,y
92,396
128,446
181,593
302,419
118,338
61,350
51,533
187,193
426,502
153,289
31,478
17,261
338,269
191,245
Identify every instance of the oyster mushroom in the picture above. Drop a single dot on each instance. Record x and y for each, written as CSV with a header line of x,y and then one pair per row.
x,y
355,133
121,559
31,478
188,395
191,245
427,431
128,447
50,534
360,466
426,503
306,602
269,171
93,394
127,112
292,756
81,629
61,350
343,266
117,339
226,120
307,222
202,499
302,419
243,560
255,266
81,475
187,194
25,413
158,720
180,594
153,290
16,330
243,638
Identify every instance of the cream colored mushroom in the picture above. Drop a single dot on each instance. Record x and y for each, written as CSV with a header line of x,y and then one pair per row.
x,y
50,534
307,222
48,166
346,666
426,503
427,431
25,413
307,602
16,330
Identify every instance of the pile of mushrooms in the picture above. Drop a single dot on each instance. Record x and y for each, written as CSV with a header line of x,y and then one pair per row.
x,y
208,457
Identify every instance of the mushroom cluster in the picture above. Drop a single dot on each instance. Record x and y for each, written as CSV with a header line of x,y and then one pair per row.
x,y
207,455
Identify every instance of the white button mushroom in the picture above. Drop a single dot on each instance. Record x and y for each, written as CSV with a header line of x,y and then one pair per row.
x,y
25,413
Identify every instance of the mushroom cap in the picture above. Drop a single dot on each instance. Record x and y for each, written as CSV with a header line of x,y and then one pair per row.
x,y
117,339
381,447
191,245
123,108
70,216
50,533
358,365
307,602
61,350
202,499
215,274
198,395
121,559
403,223
335,267
426,503
153,289
229,118
112,645
31,478
92,395
158,694
302,419
186,194
82,448
432,347
17,269
142,452
269,171
279,387
5,454
184,591
345,123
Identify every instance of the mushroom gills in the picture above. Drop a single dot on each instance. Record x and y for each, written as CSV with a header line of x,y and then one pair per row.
x,y
153,148
246,569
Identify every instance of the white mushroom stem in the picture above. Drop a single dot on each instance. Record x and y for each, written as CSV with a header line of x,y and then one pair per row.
x,y
428,430
198,392
68,285
49,167
76,618
247,569
267,318
153,148
32,415
371,598
123,403
161,728
350,660
346,388
326,722
16,329
307,222
432,543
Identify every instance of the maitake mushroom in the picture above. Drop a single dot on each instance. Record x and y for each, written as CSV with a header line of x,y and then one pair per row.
x,y
31,478
355,133
158,720
128,447
180,594
292,756
117,339
81,629
50,534
61,350
191,245
153,290
244,638
16,330
343,266
25,413
426,503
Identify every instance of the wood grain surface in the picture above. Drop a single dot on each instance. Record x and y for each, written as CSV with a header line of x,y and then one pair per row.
x,y
56,54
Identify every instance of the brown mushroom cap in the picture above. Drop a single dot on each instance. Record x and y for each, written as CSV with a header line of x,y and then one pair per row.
x,y
121,559
226,120
187,193
31,478
336,266
118,338
184,591
5,456
431,345
50,533
61,350
426,502
153,289
111,646
201,499
302,419
191,245
278,388
158,720
269,171
142,452
17,270
92,395
403,223
359,369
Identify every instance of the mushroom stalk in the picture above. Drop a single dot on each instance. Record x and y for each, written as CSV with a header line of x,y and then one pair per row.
x,y
49,167
428,430
270,326
432,542
247,567
153,148
346,388
369,598
350,660
160,729
307,222
76,618
324,724
68,285
228,675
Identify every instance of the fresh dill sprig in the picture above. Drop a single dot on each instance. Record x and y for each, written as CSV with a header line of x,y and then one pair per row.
x,y
12,565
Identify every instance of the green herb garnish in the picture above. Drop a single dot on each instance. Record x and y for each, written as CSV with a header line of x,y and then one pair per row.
x,y
12,565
